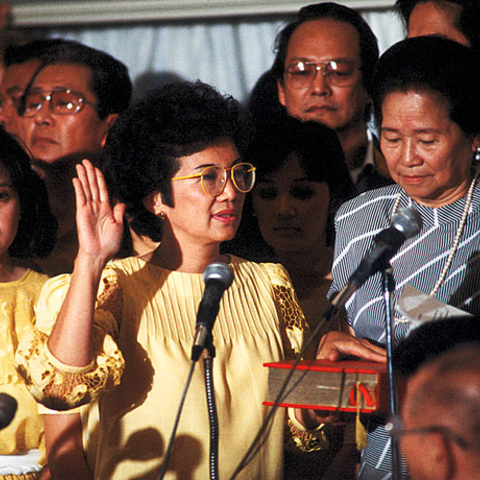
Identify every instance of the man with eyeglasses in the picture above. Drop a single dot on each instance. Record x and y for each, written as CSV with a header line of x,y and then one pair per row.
x,y
439,432
69,102
20,64
324,67
63,97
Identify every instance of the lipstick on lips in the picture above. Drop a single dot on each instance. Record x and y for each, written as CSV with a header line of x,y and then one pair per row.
x,y
226,216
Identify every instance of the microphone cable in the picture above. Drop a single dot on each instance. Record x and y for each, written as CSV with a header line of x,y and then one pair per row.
x,y
258,441
177,421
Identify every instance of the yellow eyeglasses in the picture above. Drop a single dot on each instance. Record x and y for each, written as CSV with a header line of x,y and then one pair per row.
x,y
214,178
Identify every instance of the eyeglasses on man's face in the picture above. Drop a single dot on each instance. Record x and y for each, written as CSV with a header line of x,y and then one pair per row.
x,y
214,178
396,430
61,102
339,73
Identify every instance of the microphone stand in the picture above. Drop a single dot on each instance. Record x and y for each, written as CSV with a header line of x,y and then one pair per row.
x,y
211,407
388,289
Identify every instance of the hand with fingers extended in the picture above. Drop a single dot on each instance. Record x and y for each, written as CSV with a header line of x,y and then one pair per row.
x,y
100,227
336,345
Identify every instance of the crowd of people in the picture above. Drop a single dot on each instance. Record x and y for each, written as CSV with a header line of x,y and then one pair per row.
x,y
111,211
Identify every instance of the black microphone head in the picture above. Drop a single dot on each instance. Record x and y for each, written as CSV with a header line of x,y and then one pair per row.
x,y
407,221
220,272
8,407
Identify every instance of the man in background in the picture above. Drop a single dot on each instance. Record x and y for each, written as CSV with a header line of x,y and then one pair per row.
x,y
324,68
69,102
457,20
440,435
20,65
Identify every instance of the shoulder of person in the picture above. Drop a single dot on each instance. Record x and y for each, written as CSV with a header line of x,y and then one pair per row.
x,y
275,272
380,200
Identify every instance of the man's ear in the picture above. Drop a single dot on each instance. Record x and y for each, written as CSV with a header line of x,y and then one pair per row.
x,y
109,121
441,457
153,203
281,91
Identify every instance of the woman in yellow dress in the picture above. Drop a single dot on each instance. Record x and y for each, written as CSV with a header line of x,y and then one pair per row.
x,y
174,162
27,230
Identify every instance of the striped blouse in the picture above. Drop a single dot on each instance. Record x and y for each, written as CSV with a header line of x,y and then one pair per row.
x,y
419,263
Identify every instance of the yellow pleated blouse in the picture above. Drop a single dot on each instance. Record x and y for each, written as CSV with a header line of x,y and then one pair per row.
x,y
150,313
17,312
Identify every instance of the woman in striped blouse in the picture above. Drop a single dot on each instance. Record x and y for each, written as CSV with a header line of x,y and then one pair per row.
x,y
427,108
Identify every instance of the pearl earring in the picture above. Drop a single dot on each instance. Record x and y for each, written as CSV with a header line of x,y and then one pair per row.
x,y
477,155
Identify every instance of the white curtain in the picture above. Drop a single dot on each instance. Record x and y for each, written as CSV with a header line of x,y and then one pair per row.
x,y
229,54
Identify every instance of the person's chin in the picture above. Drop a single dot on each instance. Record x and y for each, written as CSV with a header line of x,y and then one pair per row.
x,y
39,160
324,116
286,243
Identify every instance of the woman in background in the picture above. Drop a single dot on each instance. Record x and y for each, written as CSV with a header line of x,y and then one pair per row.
x,y
302,179
27,230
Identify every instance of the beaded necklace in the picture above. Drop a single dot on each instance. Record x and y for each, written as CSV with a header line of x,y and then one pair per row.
x,y
458,235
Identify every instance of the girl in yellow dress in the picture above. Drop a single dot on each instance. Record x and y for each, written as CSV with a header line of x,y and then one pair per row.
x,y
27,230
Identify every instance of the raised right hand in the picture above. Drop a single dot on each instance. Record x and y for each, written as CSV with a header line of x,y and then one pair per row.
x,y
99,226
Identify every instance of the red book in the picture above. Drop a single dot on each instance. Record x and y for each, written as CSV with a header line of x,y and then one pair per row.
x,y
334,386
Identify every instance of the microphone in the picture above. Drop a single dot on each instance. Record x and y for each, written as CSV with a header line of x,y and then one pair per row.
x,y
8,407
406,223
217,277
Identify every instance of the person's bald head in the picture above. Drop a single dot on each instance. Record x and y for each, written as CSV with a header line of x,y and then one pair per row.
x,y
445,393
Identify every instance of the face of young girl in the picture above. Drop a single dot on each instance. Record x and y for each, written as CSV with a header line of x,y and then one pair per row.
x,y
291,210
9,213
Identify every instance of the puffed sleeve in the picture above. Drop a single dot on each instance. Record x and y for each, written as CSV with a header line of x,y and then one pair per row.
x,y
294,323
297,334
57,385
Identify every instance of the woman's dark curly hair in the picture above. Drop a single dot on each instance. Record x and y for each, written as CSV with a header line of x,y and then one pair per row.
x,y
37,227
143,146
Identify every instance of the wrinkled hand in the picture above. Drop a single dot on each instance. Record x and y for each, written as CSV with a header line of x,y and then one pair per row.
x,y
100,228
337,345
334,346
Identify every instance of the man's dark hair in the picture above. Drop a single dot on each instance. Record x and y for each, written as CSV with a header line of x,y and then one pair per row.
x,y
110,81
368,45
431,339
468,21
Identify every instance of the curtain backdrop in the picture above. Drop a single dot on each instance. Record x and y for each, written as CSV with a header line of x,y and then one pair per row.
x,y
230,54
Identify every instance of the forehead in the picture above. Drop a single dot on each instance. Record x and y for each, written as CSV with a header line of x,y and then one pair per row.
x,y
289,170
430,18
64,75
4,175
324,38
222,152
416,107
17,76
